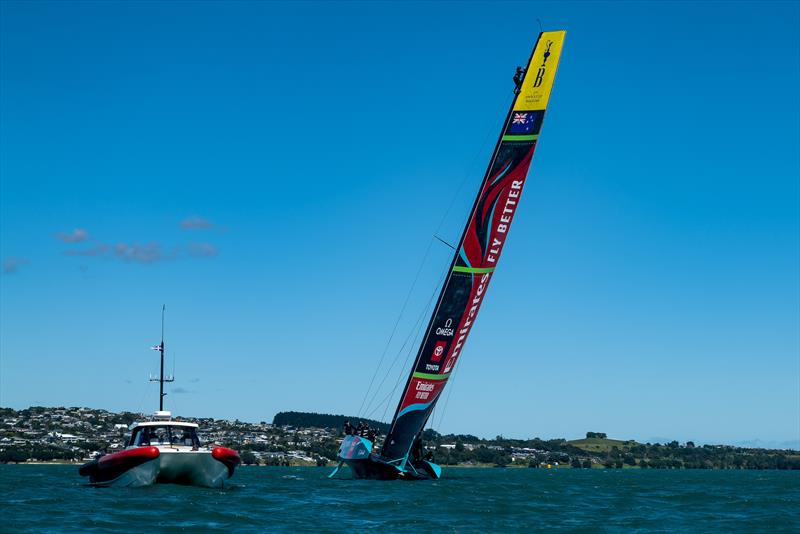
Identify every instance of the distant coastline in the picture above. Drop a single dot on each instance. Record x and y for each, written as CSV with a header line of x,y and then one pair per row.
x,y
57,435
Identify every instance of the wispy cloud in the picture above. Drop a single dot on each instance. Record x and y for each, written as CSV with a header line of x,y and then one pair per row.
x,y
97,250
180,390
202,250
12,264
75,236
128,252
196,223
151,252
135,252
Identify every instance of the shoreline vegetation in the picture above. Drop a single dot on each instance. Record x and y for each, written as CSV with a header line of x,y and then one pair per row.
x,y
59,435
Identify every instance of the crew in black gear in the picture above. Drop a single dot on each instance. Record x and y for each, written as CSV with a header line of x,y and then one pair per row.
x,y
518,79
416,448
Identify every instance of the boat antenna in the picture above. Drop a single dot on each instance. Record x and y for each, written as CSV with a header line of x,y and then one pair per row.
x,y
161,378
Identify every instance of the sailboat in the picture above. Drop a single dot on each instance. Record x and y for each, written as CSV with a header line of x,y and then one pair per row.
x,y
467,280
163,450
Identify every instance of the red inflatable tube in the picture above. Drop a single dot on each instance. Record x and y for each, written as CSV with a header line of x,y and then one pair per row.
x,y
227,456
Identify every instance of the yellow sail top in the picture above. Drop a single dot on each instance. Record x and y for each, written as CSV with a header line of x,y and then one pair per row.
x,y
541,71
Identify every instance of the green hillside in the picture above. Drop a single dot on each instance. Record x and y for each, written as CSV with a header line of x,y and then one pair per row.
x,y
601,445
322,420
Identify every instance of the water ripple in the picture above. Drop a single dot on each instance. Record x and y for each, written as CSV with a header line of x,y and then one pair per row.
x,y
45,498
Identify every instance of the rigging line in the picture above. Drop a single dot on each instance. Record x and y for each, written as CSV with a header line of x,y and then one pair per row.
x,y
457,367
488,137
412,336
141,400
420,329
415,328
396,323
453,199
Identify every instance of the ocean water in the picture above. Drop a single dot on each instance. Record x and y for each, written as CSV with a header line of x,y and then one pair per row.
x,y
52,498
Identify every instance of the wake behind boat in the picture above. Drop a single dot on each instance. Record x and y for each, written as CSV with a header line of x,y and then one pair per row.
x,y
163,450
467,280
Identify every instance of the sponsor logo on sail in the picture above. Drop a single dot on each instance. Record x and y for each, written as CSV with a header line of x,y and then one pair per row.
x,y
446,330
438,351
468,320
424,390
537,81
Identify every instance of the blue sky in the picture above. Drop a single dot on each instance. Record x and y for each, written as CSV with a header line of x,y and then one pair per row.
x,y
274,174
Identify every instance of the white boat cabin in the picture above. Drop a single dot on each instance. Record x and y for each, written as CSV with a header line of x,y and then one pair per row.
x,y
163,431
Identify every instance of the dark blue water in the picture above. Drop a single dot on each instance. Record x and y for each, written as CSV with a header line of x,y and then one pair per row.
x,y
51,498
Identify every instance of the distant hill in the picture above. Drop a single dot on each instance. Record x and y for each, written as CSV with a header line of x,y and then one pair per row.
x,y
322,420
601,444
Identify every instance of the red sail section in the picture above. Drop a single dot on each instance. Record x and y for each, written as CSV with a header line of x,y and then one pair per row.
x,y
478,251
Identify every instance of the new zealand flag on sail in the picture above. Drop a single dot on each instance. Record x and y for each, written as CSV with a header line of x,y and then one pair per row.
x,y
525,122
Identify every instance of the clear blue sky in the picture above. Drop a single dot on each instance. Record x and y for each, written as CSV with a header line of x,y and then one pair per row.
x,y
274,173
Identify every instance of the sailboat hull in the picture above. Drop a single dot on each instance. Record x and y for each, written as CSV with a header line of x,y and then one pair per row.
x,y
355,451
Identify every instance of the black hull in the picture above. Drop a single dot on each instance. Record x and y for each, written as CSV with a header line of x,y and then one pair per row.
x,y
374,468
356,452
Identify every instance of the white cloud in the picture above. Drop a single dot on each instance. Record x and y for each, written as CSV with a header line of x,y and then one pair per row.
x,y
75,236
196,223
12,264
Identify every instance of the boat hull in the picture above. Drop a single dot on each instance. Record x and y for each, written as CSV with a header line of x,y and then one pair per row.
x,y
140,467
355,451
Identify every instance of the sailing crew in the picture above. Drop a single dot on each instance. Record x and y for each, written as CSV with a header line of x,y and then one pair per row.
x,y
186,439
362,428
348,428
518,79
416,448
371,435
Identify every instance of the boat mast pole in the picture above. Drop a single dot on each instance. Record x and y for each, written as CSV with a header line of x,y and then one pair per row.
x,y
161,379
161,375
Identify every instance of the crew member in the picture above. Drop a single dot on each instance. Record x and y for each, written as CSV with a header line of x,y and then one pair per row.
x,y
416,448
518,79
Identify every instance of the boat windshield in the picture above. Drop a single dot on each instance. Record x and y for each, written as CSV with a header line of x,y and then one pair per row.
x,y
165,435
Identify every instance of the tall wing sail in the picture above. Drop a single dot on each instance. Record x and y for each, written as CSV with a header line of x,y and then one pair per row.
x,y
478,251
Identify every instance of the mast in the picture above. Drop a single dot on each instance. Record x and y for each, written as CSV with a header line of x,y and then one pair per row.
x,y
161,379
478,250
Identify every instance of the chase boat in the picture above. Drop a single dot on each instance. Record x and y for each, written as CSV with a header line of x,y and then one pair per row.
x,y
163,450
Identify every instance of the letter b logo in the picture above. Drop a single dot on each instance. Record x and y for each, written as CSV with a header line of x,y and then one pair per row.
x,y
539,77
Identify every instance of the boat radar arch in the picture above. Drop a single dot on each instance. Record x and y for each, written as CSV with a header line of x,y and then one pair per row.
x,y
162,415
